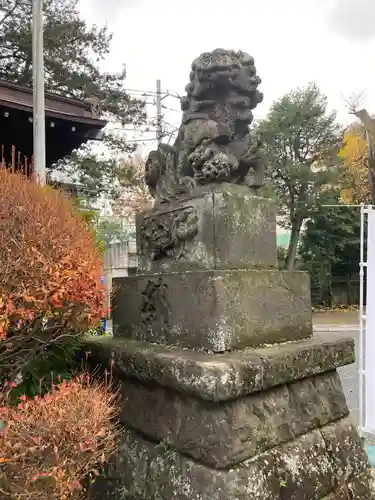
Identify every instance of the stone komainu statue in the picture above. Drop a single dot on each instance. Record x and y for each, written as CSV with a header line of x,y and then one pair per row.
x,y
214,142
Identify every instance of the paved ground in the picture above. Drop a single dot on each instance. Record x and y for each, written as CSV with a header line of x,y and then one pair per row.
x,y
339,325
348,374
336,318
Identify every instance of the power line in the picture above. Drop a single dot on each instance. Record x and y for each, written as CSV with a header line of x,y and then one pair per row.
x,y
172,125
154,93
160,126
146,139
138,141
171,109
148,92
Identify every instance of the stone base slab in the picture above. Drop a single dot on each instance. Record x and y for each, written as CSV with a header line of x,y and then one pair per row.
x,y
220,377
310,467
261,424
224,434
214,310
226,227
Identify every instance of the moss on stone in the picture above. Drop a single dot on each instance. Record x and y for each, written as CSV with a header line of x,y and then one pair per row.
x,y
221,377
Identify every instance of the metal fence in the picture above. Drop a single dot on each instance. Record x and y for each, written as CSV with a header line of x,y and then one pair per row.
x,y
337,290
119,257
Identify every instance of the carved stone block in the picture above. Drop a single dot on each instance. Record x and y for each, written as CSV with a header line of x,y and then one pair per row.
x,y
225,228
146,470
214,310
221,377
345,448
226,433
304,468
277,431
300,470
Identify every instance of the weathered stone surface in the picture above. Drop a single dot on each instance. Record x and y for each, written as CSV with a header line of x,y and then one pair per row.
x,y
221,377
214,143
288,362
149,471
340,494
225,228
300,470
214,310
345,449
361,487
223,434
304,469
316,401
106,489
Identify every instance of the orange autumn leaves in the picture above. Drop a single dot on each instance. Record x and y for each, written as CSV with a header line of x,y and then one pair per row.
x,y
49,270
48,444
50,292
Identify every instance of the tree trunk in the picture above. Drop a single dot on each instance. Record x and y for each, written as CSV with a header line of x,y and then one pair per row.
x,y
293,243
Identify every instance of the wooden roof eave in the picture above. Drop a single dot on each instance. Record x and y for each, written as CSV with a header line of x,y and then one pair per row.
x,y
94,122
14,96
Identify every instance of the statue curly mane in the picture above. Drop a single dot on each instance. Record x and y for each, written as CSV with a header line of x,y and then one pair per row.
x,y
219,77
213,143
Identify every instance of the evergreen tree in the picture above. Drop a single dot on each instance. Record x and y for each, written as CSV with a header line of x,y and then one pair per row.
x,y
330,245
300,143
73,52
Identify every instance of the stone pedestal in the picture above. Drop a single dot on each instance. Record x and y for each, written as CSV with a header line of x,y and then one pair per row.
x,y
225,227
225,394
214,310
208,277
268,424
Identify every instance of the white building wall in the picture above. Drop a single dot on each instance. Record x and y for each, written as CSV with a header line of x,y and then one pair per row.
x,y
117,261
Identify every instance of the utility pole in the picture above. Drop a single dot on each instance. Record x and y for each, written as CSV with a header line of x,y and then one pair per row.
x,y
159,128
39,130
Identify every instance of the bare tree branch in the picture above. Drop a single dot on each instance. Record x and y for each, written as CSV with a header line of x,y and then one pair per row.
x,y
354,101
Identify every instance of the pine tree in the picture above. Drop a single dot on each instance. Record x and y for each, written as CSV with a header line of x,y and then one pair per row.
x,y
73,52
300,144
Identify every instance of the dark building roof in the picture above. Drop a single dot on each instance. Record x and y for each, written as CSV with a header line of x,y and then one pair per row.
x,y
69,122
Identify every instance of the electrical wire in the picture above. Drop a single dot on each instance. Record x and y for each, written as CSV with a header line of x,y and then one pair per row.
x,y
153,93
171,109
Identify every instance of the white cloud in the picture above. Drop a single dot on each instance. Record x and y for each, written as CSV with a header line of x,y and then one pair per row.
x,y
102,11
293,42
353,19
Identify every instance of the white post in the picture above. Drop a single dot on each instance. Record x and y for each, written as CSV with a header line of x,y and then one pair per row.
x,y
38,94
361,350
369,344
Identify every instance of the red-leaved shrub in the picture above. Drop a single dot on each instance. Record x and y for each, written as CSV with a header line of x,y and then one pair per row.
x,y
49,445
50,272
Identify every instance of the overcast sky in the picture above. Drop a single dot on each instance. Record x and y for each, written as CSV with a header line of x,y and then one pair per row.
x,y
331,42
